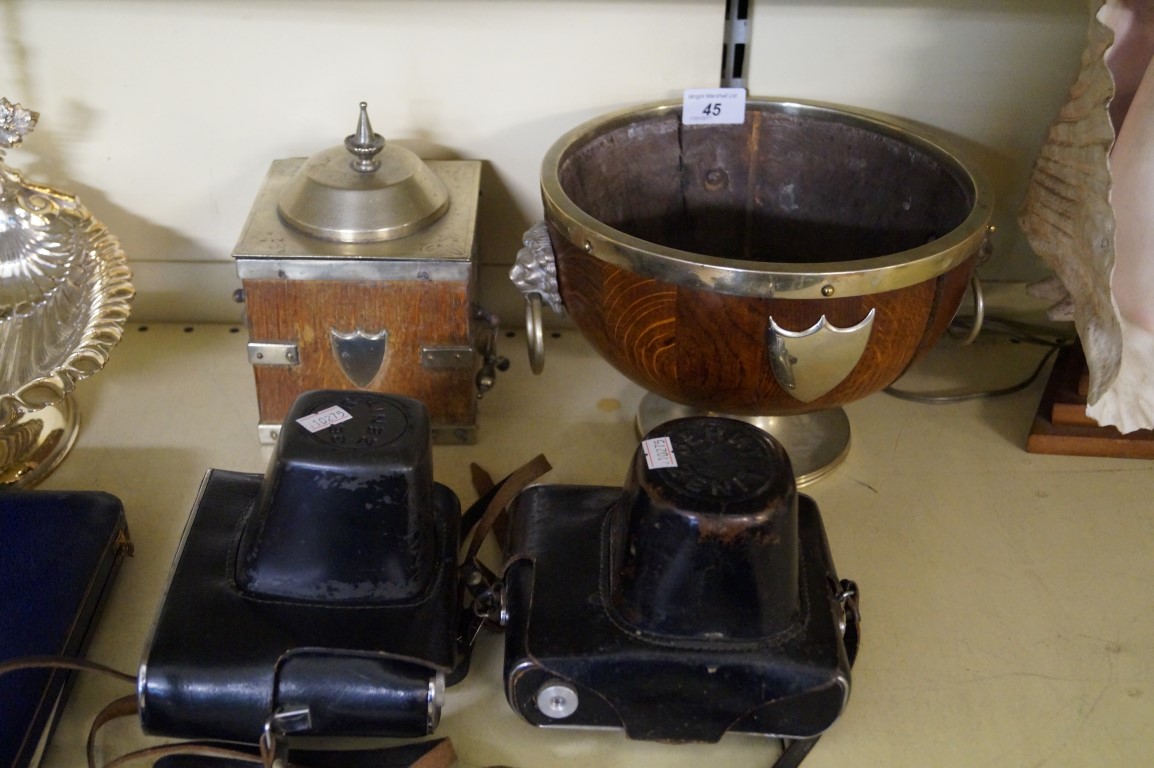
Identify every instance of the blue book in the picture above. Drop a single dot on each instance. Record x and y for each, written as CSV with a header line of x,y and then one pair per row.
x,y
59,552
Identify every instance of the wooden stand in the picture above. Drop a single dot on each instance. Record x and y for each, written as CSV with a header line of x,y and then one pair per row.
x,y
1061,425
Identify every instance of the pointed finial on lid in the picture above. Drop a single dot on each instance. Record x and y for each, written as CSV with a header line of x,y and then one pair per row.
x,y
364,144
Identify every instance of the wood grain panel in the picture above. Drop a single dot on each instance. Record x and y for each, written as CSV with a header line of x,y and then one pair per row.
x,y
415,313
786,186
709,350
1062,427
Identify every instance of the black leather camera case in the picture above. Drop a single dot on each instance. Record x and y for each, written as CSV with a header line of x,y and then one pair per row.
x,y
321,597
699,599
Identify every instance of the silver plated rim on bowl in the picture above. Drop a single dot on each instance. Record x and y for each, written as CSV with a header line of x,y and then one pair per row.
x,y
762,279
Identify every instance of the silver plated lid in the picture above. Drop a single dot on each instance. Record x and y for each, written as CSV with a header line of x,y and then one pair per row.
x,y
65,294
364,191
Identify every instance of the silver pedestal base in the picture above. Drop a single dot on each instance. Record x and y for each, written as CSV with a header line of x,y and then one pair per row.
x,y
32,446
816,442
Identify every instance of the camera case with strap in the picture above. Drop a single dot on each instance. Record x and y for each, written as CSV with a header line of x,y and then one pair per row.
x,y
699,599
321,598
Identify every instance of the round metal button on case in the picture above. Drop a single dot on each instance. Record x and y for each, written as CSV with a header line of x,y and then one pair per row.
x,y
557,700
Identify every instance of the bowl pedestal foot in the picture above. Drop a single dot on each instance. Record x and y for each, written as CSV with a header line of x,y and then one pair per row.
x,y
32,446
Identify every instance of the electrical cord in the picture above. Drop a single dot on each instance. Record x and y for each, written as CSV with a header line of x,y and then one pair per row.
x,y
1017,332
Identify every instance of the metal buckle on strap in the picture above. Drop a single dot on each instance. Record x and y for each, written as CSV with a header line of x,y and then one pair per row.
x,y
849,620
273,742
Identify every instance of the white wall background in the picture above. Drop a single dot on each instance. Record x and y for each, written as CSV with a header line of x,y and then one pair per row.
x,y
163,115
991,72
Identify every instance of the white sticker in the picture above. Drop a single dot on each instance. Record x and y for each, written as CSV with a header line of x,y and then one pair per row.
x,y
659,452
713,106
315,422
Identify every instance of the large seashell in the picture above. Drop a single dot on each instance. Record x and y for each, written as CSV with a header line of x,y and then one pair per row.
x,y
1082,212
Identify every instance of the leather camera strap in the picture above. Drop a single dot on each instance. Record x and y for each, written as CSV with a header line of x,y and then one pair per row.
x,y
62,662
794,752
848,596
483,514
481,519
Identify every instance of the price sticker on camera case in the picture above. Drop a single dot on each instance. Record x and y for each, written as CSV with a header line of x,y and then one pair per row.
x,y
713,106
315,422
659,453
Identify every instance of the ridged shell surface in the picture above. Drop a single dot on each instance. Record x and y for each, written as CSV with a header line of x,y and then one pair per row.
x,y
1081,219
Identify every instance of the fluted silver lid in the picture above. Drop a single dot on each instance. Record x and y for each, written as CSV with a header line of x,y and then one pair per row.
x,y
65,287
65,293
363,191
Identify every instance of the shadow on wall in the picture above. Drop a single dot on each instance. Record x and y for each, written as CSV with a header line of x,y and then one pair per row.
x,y
41,161
500,218
501,223
991,73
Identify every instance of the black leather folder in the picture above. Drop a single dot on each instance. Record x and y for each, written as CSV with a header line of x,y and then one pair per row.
x,y
59,552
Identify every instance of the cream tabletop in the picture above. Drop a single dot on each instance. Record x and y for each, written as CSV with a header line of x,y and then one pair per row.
x,y
1007,600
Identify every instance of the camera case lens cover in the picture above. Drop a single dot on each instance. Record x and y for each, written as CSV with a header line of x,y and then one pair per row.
x,y
698,599
320,598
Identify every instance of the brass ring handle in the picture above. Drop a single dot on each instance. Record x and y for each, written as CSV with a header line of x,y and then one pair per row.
x,y
979,313
534,332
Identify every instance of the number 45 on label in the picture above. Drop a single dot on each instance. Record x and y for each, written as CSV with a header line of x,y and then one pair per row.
x,y
713,106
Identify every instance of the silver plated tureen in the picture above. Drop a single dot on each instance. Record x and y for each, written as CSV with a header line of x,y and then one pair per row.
x,y
65,293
